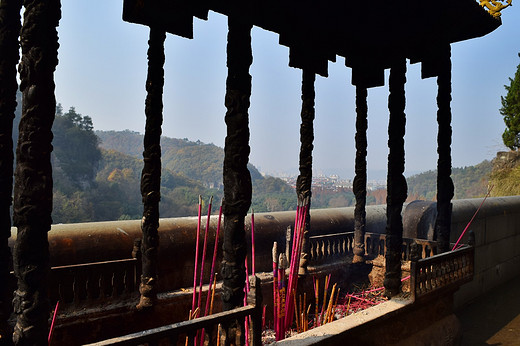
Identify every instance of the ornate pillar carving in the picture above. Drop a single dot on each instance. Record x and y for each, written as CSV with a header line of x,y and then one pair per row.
x,y
360,180
304,181
33,173
151,174
445,188
236,176
396,182
9,46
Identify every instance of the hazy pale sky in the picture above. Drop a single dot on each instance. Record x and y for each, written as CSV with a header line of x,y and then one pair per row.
x,y
102,72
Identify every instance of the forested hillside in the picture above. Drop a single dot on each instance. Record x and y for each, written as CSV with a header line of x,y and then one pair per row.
x,y
469,182
506,174
97,176
199,161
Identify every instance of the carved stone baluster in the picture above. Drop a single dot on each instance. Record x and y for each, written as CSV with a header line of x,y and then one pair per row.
x,y
237,179
33,173
151,174
304,180
397,188
9,46
445,188
360,180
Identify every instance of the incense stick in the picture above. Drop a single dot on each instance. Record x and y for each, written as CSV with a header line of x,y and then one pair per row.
x,y
196,257
253,242
275,287
215,250
49,338
204,251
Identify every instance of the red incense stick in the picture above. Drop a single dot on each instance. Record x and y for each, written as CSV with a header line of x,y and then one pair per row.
x,y
196,258
204,252
215,250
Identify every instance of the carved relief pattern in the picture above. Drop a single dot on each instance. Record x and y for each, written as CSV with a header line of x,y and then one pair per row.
x,y
151,174
33,173
445,188
396,185
9,48
304,180
360,180
236,176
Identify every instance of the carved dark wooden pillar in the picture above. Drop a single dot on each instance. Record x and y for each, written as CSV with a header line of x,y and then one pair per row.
x,y
396,182
303,183
237,180
9,56
33,173
151,174
360,180
445,187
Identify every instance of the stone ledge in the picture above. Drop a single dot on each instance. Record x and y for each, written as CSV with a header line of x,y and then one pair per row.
x,y
344,325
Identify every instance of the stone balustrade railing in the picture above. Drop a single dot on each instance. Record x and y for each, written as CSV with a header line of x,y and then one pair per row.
x,y
443,271
214,326
330,248
93,283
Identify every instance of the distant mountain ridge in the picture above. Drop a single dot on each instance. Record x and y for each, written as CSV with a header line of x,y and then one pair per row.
x,y
195,160
469,182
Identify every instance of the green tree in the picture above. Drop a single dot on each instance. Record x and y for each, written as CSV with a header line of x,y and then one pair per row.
x,y
75,147
511,112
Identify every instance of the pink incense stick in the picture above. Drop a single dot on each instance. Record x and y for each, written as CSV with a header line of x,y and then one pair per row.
x,y
263,317
204,252
295,263
470,221
215,250
212,276
196,258
49,338
253,242
275,285
246,323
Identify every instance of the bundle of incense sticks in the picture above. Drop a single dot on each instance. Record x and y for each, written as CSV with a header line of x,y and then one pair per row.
x,y
213,275
301,215
196,310
328,309
206,231
301,314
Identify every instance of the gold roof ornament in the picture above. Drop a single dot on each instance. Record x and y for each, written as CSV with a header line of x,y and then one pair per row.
x,y
495,6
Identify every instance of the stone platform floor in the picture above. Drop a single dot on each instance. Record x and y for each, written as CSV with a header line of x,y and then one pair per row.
x,y
494,318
